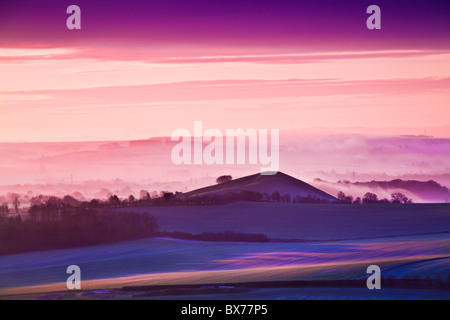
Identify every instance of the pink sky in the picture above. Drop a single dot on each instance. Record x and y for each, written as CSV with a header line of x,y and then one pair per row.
x,y
340,94
145,68
69,94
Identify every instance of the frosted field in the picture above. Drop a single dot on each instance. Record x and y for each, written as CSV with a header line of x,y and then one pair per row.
x,y
405,240
166,261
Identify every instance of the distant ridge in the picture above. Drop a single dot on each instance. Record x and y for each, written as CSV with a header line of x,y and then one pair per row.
x,y
280,182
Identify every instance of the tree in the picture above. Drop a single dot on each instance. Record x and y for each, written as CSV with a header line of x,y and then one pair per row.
x,y
223,179
114,200
40,199
69,200
276,196
286,198
94,203
357,200
398,197
370,197
16,203
167,196
343,198
78,196
144,195
4,208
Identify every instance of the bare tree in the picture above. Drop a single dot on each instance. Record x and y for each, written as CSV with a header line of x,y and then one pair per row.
x,y
4,208
144,195
16,203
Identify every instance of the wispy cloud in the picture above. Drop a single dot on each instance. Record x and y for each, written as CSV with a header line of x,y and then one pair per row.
x,y
236,89
312,57
26,54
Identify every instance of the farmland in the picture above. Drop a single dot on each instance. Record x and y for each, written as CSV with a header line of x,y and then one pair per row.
x,y
305,221
334,242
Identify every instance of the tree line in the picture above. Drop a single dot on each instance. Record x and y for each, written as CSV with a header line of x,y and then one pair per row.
x,y
370,198
227,236
167,198
56,224
54,205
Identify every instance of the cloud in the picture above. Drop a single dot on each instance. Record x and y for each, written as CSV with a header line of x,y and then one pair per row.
x,y
238,89
200,55
295,58
19,54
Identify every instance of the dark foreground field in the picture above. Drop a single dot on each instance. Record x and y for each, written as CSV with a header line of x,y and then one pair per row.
x,y
305,221
406,241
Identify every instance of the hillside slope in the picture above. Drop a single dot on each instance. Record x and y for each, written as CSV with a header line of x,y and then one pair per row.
x,y
280,182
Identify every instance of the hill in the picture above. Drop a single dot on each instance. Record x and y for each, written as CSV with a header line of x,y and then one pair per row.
x,y
280,182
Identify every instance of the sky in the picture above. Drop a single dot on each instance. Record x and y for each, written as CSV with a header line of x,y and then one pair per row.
x,y
349,103
140,69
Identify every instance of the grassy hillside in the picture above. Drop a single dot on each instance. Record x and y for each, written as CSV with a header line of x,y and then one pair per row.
x,y
280,182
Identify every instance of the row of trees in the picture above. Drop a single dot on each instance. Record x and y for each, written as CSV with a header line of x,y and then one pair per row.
x,y
227,236
4,209
369,198
57,224
70,204
53,204
229,197
178,198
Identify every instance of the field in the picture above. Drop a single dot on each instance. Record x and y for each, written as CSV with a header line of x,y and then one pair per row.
x,y
305,221
404,240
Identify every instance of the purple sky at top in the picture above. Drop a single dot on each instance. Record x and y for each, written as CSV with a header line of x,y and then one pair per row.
x,y
324,24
